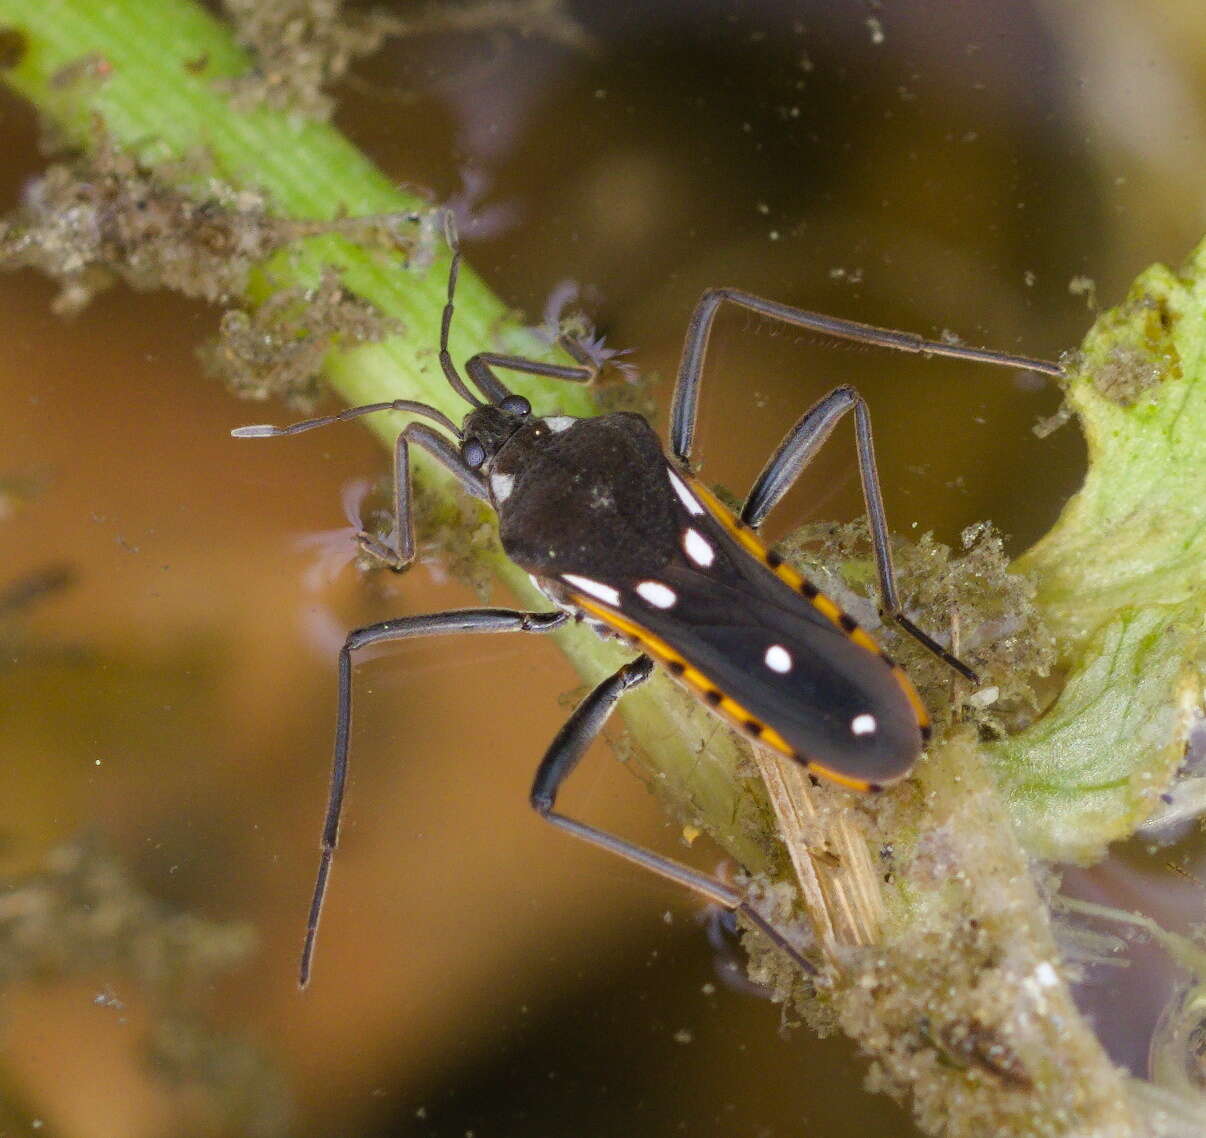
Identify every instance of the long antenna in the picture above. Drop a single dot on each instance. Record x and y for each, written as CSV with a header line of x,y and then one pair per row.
x,y
267,430
450,372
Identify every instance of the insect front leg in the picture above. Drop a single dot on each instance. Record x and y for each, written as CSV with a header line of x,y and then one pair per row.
x,y
563,755
399,555
481,370
794,453
401,628
480,367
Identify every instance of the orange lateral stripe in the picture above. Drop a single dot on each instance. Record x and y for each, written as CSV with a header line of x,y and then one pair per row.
x,y
629,628
726,518
863,639
654,645
727,707
906,685
841,779
660,650
722,703
751,544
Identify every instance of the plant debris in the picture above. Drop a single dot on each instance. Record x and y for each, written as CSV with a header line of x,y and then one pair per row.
x,y
301,47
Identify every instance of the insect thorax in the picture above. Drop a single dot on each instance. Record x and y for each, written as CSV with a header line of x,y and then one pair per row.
x,y
585,496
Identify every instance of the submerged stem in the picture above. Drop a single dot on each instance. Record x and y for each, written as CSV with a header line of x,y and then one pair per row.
x,y
940,955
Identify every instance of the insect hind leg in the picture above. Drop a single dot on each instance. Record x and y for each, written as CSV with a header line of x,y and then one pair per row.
x,y
563,755
400,628
796,451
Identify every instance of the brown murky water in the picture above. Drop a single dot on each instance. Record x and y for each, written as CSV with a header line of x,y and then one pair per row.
x,y
922,165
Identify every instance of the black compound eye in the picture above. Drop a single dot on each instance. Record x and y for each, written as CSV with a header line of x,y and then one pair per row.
x,y
473,453
516,405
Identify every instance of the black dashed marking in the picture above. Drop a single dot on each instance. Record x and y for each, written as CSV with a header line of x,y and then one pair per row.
x,y
809,590
848,623
773,559
887,660
926,732
712,697
874,787
753,726
677,667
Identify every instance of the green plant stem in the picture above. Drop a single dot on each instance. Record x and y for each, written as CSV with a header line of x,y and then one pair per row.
x,y
966,957
147,79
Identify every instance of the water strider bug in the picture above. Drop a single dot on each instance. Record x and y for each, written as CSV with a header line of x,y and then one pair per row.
x,y
619,534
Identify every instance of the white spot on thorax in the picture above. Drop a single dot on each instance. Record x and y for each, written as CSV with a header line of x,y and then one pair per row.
x,y
596,589
659,595
559,423
778,659
863,724
501,486
601,498
698,548
685,496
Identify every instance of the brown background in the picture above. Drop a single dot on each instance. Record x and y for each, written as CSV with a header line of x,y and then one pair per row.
x,y
479,972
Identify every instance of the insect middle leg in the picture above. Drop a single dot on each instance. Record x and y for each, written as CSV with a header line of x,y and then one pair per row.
x,y
401,628
815,426
685,404
563,755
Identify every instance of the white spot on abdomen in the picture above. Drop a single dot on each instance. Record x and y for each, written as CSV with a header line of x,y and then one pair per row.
x,y
559,423
863,724
659,595
698,548
596,589
684,495
778,659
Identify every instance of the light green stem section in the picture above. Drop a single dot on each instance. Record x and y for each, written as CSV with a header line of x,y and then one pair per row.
x,y
149,76
1120,576
146,76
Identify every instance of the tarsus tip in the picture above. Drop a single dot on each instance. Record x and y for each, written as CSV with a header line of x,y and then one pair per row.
x,y
258,431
